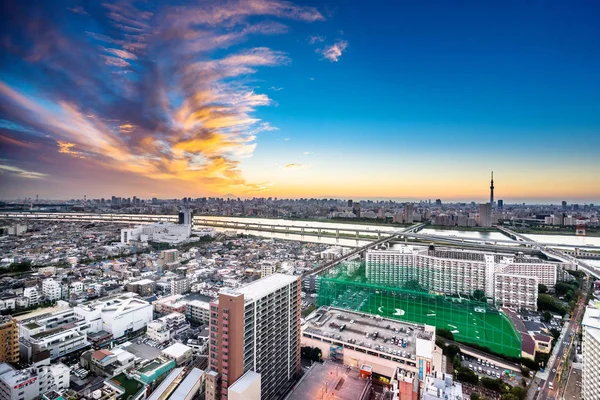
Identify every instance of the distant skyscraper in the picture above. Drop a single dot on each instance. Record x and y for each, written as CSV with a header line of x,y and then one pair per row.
x,y
350,203
438,203
255,328
564,205
485,215
500,204
492,190
356,209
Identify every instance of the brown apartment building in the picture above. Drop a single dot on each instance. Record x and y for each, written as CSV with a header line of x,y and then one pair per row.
x,y
255,328
9,339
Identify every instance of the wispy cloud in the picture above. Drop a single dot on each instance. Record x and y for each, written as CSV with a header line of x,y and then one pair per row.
x,y
335,51
276,89
296,166
21,173
306,153
315,39
149,96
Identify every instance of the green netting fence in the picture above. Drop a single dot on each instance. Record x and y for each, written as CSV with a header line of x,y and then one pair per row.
x,y
470,320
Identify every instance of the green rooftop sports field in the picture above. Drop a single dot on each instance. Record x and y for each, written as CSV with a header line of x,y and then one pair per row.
x,y
470,321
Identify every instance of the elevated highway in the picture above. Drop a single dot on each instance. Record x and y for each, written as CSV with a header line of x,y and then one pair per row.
x,y
555,253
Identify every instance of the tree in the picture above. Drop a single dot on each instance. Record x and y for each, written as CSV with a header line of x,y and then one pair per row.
x,y
519,392
468,376
508,396
542,288
548,303
547,316
525,371
445,333
562,288
452,350
456,361
479,295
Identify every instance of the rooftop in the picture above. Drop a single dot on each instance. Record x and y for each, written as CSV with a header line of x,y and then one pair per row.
x,y
328,321
344,383
184,390
262,287
591,319
244,382
176,350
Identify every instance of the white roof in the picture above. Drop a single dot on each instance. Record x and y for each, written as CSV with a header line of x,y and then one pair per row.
x,y
186,388
263,287
176,350
143,282
591,319
199,303
244,382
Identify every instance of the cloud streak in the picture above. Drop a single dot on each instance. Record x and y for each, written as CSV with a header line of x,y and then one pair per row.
x,y
296,166
21,173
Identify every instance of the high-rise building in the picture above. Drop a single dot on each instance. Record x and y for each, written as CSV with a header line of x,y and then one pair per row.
x,y
485,215
350,203
564,205
356,209
492,190
590,382
9,339
408,213
500,204
255,328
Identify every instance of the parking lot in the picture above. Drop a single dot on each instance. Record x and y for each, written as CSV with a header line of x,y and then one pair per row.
x,y
483,368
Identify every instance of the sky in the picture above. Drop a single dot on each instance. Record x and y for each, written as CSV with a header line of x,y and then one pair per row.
x,y
259,98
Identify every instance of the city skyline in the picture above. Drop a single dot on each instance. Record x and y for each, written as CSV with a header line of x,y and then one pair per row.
x,y
270,98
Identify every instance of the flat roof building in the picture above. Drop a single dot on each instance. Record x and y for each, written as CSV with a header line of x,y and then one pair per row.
x,y
355,339
331,380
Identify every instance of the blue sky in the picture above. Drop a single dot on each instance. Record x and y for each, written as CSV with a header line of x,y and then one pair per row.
x,y
406,100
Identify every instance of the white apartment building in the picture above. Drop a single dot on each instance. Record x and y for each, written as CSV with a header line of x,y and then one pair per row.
x,y
507,279
30,383
255,327
590,382
58,333
119,315
516,291
180,286
268,268
51,289
76,288
157,232
198,311
32,295
165,328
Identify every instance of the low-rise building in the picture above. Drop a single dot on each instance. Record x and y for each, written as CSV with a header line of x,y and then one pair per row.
x,y
118,315
384,344
165,328
52,335
178,352
29,383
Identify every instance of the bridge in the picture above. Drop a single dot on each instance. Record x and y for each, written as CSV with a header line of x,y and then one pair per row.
x,y
368,233
556,254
